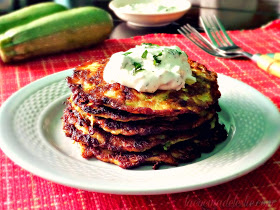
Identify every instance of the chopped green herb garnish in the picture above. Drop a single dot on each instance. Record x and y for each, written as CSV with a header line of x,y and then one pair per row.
x,y
144,55
174,51
127,53
137,65
150,44
137,68
167,145
156,60
160,8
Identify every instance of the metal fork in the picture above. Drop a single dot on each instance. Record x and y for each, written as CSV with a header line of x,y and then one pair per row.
x,y
219,37
223,46
193,35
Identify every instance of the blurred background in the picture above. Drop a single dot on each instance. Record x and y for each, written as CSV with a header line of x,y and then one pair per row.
x,y
235,14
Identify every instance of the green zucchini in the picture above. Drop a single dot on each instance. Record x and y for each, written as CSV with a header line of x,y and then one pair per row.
x,y
67,30
28,14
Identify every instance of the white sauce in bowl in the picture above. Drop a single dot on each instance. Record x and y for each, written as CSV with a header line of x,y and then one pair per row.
x,y
154,7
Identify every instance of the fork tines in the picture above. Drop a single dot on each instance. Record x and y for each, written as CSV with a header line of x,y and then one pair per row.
x,y
216,31
193,35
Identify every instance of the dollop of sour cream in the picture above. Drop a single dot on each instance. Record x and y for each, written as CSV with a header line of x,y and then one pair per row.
x,y
149,67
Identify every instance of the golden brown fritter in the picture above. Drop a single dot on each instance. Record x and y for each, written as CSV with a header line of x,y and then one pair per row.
x,y
127,160
80,100
80,130
182,152
147,127
88,80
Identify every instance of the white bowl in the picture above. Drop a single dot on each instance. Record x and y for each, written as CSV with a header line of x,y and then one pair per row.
x,y
149,18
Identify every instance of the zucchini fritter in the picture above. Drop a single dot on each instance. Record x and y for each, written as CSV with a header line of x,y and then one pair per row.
x,y
148,126
80,100
182,152
80,130
88,79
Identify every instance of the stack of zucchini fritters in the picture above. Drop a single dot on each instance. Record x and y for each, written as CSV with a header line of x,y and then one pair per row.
x,y
120,125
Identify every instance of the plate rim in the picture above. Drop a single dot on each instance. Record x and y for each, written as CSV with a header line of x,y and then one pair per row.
x,y
43,173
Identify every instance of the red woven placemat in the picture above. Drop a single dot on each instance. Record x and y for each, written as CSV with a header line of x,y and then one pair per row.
x,y
259,189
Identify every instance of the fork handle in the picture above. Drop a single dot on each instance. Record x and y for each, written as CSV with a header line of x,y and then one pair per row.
x,y
275,56
268,64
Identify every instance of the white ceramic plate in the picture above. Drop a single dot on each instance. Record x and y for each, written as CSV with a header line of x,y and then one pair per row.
x,y
31,135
